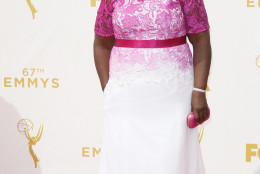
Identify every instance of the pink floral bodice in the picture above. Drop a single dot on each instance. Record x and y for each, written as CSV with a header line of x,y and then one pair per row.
x,y
145,20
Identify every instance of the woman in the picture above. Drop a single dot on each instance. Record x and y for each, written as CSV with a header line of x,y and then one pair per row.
x,y
150,81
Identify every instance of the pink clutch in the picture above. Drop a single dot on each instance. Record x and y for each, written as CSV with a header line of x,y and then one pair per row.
x,y
191,122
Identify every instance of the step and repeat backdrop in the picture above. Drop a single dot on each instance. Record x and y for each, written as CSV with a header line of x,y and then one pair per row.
x,y
51,101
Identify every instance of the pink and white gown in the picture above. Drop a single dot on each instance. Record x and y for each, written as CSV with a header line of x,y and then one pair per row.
x,y
148,94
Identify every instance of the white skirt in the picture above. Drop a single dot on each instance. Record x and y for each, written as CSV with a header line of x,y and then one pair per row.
x,y
145,130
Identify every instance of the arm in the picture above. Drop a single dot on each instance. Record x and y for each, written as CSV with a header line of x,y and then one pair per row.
x,y
197,29
103,40
202,60
102,49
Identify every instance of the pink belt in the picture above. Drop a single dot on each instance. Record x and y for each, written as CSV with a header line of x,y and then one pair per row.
x,y
150,43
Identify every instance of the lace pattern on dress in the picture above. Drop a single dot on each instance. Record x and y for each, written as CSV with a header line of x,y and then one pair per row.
x,y
160,75
103,23
195,16
148,19
157,65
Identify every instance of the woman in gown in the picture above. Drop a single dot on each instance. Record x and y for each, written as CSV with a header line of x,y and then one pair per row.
x,y
147,73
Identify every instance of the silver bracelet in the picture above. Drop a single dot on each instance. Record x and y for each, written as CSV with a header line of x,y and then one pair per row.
x,y
198,89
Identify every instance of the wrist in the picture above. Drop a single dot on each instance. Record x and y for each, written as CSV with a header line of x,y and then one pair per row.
x,y
197,93
199,89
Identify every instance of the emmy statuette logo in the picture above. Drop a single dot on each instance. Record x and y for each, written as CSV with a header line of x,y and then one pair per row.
x,y
257,61
207,88
24,126
32,8
201,133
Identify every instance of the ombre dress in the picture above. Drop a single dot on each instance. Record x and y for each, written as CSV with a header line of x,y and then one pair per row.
x,y
148,94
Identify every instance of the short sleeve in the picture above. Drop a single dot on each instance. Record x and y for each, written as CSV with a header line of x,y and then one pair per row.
x,y
195,16
103,24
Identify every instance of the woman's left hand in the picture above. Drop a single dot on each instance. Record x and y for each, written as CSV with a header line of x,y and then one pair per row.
x,y
199,106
